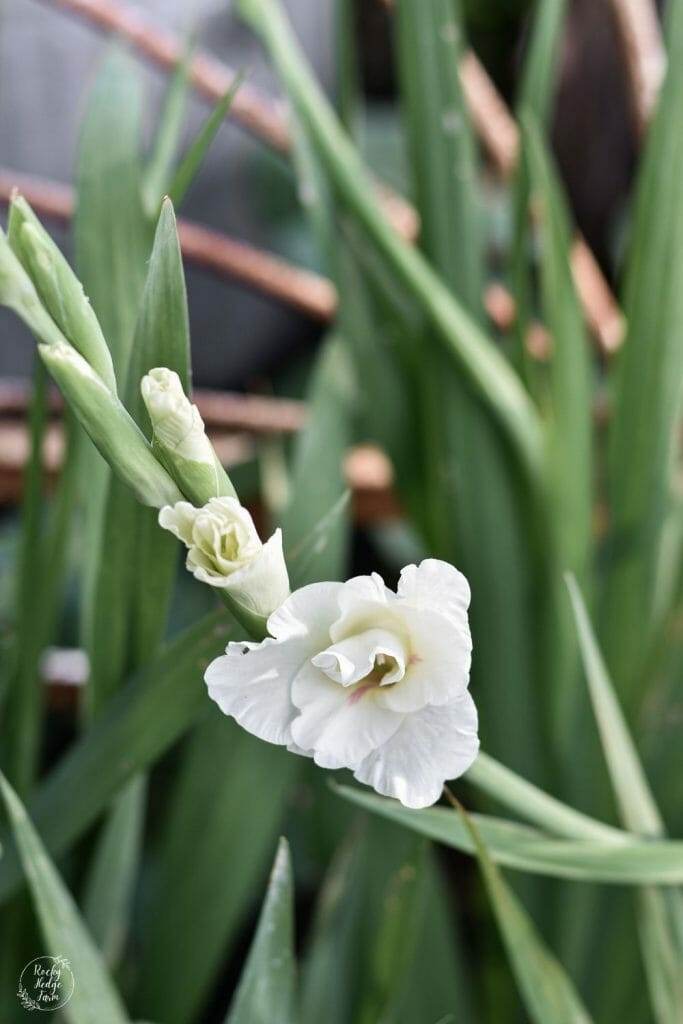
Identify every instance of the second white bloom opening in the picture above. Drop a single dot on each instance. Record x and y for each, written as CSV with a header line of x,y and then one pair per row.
x,y
224,550
359,677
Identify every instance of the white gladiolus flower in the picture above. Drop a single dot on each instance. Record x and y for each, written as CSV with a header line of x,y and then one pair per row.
x,y
224,550
177,423
356,676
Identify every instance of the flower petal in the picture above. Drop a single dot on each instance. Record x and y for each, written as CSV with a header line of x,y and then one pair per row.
x,y
437,585
179,519
439,665
309,611
339,725
431,746
252,683
263,584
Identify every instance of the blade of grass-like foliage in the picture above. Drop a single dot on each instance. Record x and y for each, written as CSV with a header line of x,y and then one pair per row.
x,y
112,242
527,800
548,993
646,408
349,96
482,363
435,986
541,62
266,990
106,903
224,815
192,160
317,481
162,338
23,712
305,557
139,725
632,861
569,402
159,171
394,941
329,973
142,577
350,968
468,487
112,235
660,914
94,997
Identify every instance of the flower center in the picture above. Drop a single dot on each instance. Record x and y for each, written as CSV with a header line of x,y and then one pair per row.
x,y
385,665
230,547
375,657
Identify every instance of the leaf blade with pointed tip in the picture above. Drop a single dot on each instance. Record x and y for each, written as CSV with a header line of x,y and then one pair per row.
x,y
658,911
629,861
94,998
266,990
187,169
548,993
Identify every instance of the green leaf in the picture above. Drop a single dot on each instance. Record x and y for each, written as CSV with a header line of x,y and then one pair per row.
x,y
189,166
94,997
646,407
223,818
660,914
478,358
631,861
22,715
113,872
541,62
112,235
395,935
159,170
143,562
266,990
317,479
162,338
548,993
523,798
569,399
303,558
138,726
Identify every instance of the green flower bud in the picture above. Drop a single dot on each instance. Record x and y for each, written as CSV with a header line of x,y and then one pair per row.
x,y
17,293
59,288
109,425
179,439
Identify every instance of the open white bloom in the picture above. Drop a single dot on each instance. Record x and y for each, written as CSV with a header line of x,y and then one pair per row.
x,y
177,423
224,550
359,677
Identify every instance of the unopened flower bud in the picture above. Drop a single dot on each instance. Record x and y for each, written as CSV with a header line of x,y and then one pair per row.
x,y
60,290
225,551
179,438
109,425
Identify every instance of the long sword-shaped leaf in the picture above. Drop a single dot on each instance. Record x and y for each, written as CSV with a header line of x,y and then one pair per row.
x,y
646,409
266,991
159,170
548,993
224,817
487,369
192,160
541,60
139,725
145,586
569,402
632,861
469,489
660,914
94,998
